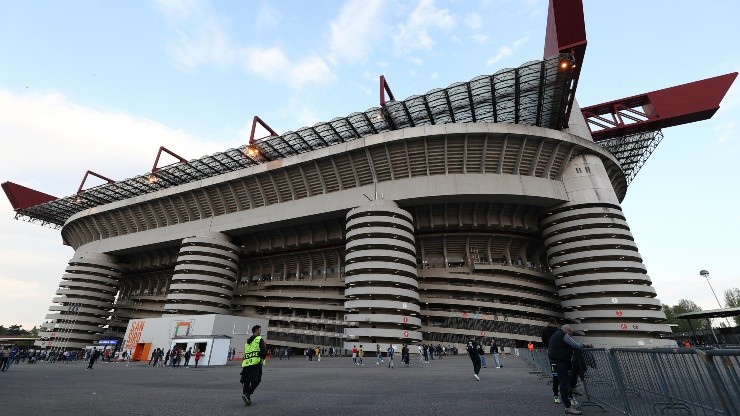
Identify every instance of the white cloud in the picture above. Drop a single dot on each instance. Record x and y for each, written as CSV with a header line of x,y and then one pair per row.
x,y
356,30
199,37
480,39
416,60
726,132
48,144
473,21
503,52
434,75
506,51
414,34
268,16
69,138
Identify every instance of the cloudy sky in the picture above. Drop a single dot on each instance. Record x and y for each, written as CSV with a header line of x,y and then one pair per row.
x,y
101,85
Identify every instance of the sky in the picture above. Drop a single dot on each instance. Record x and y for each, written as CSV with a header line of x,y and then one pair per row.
x,y
101,85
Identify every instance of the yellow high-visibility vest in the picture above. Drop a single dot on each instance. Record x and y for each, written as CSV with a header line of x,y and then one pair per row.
x,y
252,352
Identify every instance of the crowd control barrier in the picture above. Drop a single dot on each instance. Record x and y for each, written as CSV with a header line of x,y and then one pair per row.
x,y
666,381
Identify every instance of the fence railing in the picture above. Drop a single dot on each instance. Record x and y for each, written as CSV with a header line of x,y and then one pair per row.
x,y
675,381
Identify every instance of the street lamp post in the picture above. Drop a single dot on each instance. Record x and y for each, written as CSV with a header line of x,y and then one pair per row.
x,y
705,274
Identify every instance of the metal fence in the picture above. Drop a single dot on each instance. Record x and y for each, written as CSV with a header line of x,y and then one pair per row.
x,y
668,381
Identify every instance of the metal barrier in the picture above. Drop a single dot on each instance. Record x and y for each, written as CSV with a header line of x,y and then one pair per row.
x,y
675,381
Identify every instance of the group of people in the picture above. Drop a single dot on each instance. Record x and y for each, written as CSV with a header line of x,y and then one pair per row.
x,y
173,358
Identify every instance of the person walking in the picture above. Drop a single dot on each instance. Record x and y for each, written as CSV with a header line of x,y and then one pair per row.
x,y
4,359
472,348
421,354
93,357
354,354
550,329
188,353
405,356
560,352
255,353
391,353
378,355
494,352
360,354
482,353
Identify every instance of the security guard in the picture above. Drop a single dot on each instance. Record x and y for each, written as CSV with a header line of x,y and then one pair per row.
x,y
254,357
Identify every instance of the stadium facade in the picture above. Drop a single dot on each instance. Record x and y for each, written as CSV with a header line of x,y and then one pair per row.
x,y
482,209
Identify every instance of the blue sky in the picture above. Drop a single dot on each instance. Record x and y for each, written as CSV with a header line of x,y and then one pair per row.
x,y
101,85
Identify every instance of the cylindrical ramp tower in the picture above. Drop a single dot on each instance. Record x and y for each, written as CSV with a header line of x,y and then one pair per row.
x,y
380,277
602,283
85,297
205,276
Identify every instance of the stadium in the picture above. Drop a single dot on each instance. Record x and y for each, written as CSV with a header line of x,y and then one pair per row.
x,y
482,209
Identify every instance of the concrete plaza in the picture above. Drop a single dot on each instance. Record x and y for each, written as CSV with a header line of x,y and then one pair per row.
x,y
333,386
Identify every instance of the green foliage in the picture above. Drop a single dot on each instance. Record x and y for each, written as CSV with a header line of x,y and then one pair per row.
x,y
683,306
732,300
17,331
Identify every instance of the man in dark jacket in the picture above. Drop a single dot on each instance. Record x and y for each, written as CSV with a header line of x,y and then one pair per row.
x,y
93,357
560,352
551,328
472,348
255,353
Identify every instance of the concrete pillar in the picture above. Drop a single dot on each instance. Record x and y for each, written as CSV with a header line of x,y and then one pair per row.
x,y
205,276
83,303
380,277
601,280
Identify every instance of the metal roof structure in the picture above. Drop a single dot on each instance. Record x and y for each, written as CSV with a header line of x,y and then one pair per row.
x,y
536,94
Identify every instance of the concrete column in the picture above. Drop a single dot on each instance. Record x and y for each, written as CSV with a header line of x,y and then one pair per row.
x,y
380,277
601,280
83,303
205,276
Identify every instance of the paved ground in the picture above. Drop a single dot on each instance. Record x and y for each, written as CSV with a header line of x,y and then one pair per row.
x,y
333,386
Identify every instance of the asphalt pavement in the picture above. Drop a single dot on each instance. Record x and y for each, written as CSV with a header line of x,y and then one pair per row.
x,y
333,386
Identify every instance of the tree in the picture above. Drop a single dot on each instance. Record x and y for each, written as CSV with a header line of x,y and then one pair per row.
x,y
732,300
683,306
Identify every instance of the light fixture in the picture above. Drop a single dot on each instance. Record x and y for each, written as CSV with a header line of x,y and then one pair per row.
x,y
152,178
252,151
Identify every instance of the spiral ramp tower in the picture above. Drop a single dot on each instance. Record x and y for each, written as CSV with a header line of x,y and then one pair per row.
x,y
602,283
85,297
205,276
381,277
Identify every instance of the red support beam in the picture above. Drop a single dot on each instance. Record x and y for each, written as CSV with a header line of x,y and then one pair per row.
x,y
21,197
566,33
89,172
385,88
169,152
256,120
659,109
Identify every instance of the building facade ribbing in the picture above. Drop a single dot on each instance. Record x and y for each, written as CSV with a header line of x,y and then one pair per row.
x,y
479,229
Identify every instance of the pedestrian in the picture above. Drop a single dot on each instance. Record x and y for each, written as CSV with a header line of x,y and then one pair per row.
x,y
11,358
550,329
153,360
472,348
188,353
360,354
318,354
167,357
405,355
378,355
197,356
4,359
255,353
93,357
494,352
560,352
354,354
421,353
426,354
482,354
391,353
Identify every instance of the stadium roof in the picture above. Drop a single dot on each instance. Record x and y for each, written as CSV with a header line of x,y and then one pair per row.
x,y
535,94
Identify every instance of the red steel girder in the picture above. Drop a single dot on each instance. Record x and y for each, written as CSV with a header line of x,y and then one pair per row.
x,y
566,33
669,107
21,197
